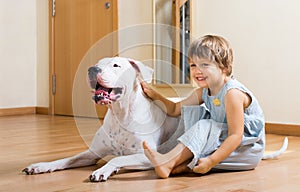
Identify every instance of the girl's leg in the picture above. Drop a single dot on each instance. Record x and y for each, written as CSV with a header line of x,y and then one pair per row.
x,y
165,163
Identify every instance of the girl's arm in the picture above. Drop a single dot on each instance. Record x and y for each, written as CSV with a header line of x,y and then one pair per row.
x,y
170,107
235,103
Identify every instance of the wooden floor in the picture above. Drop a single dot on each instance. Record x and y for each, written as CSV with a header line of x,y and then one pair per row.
x,y
35,138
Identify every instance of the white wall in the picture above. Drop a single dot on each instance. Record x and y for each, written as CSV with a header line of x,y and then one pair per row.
x,y
265,38
18,53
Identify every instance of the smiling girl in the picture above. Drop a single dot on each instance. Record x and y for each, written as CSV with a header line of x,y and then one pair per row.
x,y
224,124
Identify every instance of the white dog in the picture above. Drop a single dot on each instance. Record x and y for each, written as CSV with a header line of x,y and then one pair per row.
x,y
130,119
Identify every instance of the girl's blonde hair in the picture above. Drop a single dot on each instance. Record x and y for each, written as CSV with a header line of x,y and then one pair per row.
x,y
213,48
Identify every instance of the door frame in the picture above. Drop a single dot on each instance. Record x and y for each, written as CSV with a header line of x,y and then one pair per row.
x,y
52,51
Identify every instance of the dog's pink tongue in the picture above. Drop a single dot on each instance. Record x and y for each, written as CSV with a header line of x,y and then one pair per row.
x,y
101,92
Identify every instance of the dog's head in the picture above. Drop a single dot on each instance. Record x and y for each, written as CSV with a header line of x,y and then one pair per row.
x,y
112,77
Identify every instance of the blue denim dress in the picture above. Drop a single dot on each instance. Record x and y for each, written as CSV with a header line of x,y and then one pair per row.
x,y
206,129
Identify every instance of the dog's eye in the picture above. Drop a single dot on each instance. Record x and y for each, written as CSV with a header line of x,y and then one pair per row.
x,y
116,65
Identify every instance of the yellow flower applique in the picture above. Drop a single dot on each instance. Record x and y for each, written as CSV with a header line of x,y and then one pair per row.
x,y
216,102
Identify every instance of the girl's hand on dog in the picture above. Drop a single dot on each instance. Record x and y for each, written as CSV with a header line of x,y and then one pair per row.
x,y
149,92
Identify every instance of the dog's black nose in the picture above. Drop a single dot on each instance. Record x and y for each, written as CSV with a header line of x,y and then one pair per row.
x,y
92,72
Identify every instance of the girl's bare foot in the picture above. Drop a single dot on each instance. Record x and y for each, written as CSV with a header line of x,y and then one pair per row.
x,y
162,163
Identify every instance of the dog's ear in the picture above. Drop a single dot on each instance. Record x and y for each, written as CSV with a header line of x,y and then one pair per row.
x,y
145,71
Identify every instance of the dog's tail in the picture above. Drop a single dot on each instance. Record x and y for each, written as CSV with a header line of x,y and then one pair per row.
x,y
279,152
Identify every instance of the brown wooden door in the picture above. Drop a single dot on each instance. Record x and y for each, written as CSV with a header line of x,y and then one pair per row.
x,y
77,26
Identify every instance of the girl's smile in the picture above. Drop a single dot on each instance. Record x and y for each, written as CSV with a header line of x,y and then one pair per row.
x,y
200,78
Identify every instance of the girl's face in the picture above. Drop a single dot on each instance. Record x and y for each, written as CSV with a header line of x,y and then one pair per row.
x,y
207,74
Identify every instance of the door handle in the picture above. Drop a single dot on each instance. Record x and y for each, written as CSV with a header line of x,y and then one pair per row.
x,y
107,5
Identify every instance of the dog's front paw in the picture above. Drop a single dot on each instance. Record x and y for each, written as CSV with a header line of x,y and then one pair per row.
x,y
103,173
38,168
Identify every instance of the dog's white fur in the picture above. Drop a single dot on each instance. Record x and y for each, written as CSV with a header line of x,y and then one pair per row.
x,y
130,119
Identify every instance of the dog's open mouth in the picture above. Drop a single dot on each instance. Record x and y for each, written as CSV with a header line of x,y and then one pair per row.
x,y
105,95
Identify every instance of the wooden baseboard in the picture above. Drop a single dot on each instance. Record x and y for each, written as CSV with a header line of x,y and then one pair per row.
x,y
24,111
18,111
271,128
283,129
42,110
